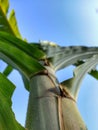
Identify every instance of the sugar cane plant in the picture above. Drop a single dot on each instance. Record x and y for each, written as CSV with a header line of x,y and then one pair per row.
x,y
52,105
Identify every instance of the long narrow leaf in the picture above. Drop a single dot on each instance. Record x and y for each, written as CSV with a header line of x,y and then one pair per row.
x,y
73,84
26,82
5,5
7,118
4,25
13,24
30,50
8,24
7,70
19,59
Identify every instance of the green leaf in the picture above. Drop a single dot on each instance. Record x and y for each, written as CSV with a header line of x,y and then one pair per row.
x,y
4,4
26,83
61,57
73,84
13,24
8,24
33,51
4,25
7,70
94,73
7,118
18,58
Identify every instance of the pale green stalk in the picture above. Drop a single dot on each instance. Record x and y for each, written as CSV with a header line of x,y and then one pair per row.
x,y
47,110
42,108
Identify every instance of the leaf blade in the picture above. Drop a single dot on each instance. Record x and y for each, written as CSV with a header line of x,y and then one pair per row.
x,y
30,50
7,118
7,70
5,5
8,24
13,24
16,57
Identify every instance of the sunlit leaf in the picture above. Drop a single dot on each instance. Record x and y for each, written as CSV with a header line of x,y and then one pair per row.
x,y
13,24
8,25
4,25
27,48
73,84
17,57
4,4
7,117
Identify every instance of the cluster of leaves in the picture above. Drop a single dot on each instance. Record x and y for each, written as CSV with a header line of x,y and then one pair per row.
x,y
13,48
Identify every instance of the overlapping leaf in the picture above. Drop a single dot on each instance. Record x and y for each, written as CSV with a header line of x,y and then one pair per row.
x,y
4,25
4,4
7,118
22,45
13,24
73,84
8,24
17,55
7,70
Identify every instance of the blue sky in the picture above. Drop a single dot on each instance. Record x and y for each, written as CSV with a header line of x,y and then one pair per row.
x,y
66,23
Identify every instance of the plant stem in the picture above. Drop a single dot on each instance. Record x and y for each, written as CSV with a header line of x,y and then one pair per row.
x,y
42,113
